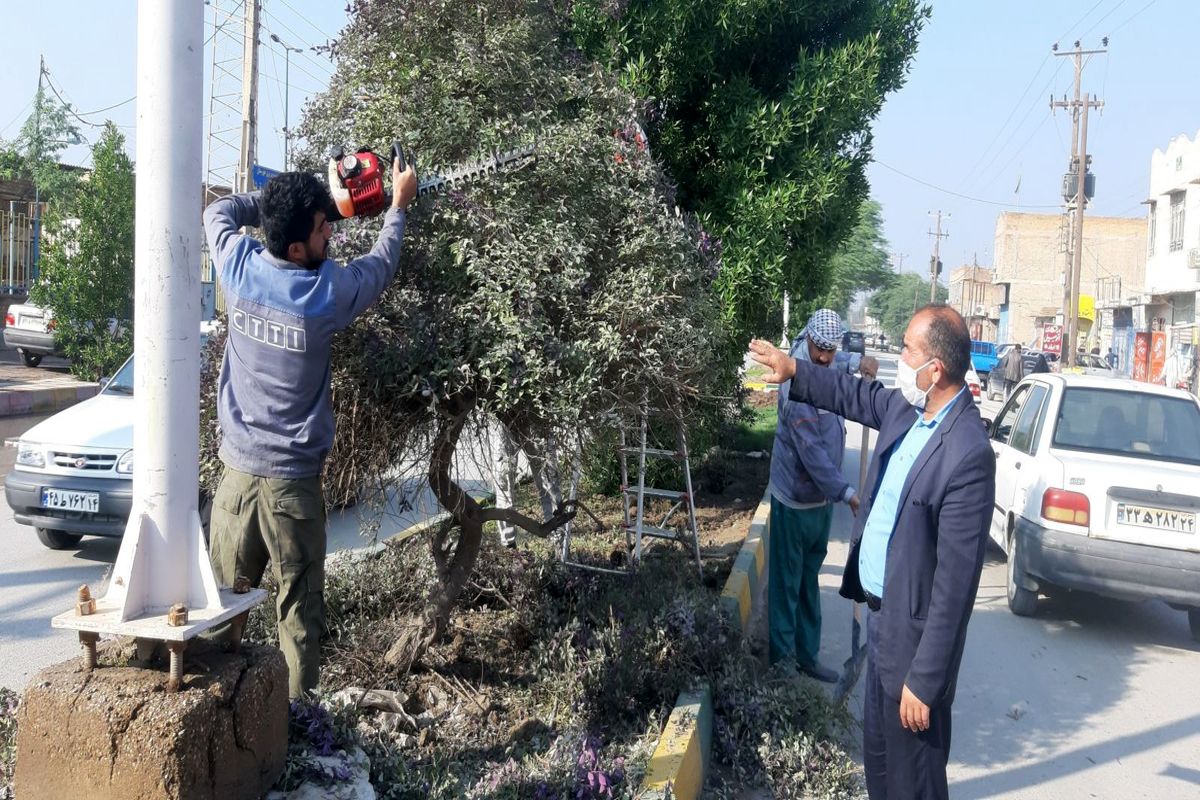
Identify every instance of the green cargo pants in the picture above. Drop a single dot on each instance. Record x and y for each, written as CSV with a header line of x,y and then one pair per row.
x,y
256,521
796,550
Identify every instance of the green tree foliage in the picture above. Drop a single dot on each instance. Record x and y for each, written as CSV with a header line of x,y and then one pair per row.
x,y
546,296
894,305
34,153
761,111
87,265
860,264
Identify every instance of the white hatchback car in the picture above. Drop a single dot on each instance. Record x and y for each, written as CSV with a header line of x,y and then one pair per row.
x,y
1098,489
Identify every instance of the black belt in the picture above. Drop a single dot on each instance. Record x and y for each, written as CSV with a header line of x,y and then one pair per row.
x,y
873,602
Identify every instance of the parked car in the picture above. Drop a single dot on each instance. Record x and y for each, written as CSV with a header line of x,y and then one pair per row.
x,y
73,474
983,359
1035,362
974,386
1098,489
1092,364
74,471
29,330
854,342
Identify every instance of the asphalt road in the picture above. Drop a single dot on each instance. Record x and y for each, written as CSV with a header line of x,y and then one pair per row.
x,y
1092,698
36,583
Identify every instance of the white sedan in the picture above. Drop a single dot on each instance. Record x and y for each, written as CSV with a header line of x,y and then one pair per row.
x,y
1098,489
974,385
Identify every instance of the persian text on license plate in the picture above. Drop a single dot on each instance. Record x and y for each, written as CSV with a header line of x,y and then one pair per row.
x,y
1160,518
71,501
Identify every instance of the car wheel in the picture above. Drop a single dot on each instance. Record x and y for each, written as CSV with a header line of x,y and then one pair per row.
x,y
1021,601
1194,622
57,540
30,359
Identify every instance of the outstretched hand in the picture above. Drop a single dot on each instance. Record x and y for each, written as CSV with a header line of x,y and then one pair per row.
x,y
782,366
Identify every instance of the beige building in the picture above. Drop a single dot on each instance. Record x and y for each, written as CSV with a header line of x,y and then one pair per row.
x,y
1030,262
973,294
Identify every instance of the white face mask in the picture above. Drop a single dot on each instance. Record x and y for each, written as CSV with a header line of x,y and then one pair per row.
x,y
906,379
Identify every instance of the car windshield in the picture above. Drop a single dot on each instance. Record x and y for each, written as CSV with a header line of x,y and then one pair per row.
x,y
1134,424
122,382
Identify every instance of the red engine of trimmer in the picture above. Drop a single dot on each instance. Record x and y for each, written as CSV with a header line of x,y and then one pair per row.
x,y
356,183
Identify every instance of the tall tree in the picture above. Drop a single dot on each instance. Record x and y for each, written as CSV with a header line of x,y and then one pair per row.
x,y
894,305
87,269
761,111
547,296
33,155
860,264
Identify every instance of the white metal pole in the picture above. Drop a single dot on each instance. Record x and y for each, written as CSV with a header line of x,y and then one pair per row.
x,y
167,245
163,559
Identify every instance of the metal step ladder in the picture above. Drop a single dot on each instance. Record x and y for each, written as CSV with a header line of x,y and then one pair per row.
x,y
636,529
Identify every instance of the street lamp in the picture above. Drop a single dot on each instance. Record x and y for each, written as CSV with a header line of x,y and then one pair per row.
x,y
287,130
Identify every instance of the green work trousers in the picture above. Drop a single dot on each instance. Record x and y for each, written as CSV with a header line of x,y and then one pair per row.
x,y
796,550
258,521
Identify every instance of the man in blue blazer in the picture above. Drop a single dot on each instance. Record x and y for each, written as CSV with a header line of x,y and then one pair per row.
x,y
918,543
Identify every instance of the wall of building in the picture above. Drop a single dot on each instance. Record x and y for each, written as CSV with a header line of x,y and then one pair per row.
x,y
1175,171
1029,258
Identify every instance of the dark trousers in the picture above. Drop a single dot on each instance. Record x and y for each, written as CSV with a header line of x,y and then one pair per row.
x,y
259,521
900,764
796,550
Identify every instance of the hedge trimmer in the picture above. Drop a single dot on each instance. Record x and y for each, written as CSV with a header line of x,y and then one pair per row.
x,y
356,179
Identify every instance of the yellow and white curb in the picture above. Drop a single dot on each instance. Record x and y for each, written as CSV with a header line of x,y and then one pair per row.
x,y
680,758
677,767
737,598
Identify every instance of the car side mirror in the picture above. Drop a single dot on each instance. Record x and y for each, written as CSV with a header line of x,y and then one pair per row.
x,y
987,425
104,382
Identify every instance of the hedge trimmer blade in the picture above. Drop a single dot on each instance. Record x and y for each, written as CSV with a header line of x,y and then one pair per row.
x,y
472,170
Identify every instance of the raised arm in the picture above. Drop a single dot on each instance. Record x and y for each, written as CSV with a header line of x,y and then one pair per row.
x,y
365,278
224,218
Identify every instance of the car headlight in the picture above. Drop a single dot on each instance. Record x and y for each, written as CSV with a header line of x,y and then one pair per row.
x,y
31,455
125,463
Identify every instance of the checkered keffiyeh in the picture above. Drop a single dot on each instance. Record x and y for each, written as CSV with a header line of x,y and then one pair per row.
x,y
825,329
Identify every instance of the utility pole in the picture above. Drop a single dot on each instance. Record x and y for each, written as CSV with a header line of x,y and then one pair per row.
x,y
35,246
287,127
249,99
898,260
936,262
1077,200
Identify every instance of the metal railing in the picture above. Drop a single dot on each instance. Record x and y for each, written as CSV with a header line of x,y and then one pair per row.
x,y
18,246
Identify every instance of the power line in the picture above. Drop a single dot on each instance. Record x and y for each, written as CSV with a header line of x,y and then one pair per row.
x,y
312,24
1096,24
943,190
298,38
1079,21
983,154
1133,16
20,114
1020,124
109,108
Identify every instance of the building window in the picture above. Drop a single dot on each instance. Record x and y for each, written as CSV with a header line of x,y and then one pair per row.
x,y
1153,227
1177,221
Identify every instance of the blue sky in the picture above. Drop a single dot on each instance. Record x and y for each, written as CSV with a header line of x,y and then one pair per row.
x,y
974,116
972,119
90,49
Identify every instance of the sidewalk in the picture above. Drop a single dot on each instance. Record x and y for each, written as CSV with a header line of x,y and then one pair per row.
x,y
39,390
837,613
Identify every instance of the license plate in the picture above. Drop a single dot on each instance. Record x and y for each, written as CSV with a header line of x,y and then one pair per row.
x,y
1159,518
71,501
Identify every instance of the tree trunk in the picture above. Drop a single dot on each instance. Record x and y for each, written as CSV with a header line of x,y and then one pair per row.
x,y
454,560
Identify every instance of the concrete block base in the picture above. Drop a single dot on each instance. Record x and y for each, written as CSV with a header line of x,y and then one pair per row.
x,y
115,733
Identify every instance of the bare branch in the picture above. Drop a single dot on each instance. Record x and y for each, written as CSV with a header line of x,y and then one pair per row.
x,y
566,512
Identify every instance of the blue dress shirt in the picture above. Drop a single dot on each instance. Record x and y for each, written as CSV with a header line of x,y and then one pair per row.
x,y
877,534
